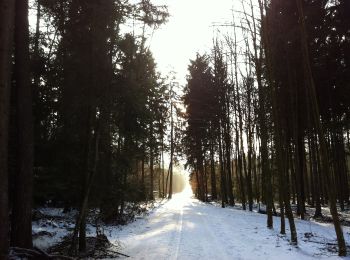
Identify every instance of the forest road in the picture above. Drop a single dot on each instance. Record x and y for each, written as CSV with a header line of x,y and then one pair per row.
x,y
181,228
185,228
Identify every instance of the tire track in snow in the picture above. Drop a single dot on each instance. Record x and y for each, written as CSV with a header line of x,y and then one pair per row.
x,y
212,237
179,234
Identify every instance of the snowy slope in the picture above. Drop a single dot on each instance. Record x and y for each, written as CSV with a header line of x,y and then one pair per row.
x,y
184,228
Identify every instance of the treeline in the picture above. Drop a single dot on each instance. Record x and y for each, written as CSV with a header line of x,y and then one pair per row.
x,y
268,111
83,112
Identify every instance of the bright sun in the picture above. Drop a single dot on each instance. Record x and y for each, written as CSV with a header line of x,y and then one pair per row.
x,y
188,31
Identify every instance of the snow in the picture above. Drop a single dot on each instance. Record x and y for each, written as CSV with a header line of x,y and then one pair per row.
x,y
185,228
54,229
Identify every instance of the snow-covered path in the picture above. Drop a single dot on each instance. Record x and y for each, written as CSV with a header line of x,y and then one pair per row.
x,y
185,228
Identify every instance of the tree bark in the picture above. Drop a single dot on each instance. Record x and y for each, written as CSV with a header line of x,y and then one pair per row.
x,y
6,36
227,140
163,170
151,162
80,225
212,173
171,144
264,153
21,219
143,188
222,173
315,170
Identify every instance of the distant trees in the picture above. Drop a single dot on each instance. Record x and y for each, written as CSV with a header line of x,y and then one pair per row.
x,y
287,109
207,134
197,100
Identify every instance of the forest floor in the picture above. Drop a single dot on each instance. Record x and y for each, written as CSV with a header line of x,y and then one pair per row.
x,y
185,228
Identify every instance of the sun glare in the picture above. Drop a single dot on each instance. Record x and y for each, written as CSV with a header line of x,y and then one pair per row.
x,y
189,30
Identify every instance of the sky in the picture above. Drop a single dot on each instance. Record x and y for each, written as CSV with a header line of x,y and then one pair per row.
x,y
189,30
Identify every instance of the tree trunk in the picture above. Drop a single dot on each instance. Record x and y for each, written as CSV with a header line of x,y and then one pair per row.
x,y
151,158
228,167
311,171
264,132
205,180
315,173
288,208
299,147
80,225
6,35
171,145
250,148
222,174
143,172
261,97
36,46
212,173
160,176
243,159
163,170
21,219
256,179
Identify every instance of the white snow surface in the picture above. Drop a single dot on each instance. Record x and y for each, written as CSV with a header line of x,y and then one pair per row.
x,y
185,228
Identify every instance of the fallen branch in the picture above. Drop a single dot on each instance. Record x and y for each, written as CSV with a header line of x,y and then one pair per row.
x,y
322,243
35,253
118,253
